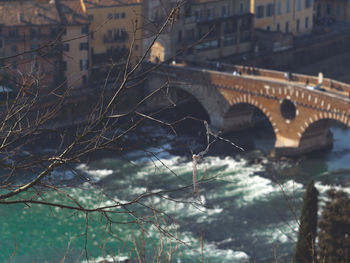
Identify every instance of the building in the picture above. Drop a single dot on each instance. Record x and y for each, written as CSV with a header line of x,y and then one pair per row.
x,y
338,10
28,43
75,42
287,16
203,29
155,13
115,25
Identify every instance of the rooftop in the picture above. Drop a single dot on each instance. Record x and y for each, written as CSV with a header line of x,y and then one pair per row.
x,y
72,12
109,3
20,13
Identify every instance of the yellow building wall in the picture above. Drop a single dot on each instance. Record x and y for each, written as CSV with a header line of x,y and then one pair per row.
x,y
103,19
74,55
338,10
282,17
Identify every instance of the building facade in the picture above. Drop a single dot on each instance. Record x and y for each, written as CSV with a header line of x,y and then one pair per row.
x,y
114,26
28,43
201,29
287,16
336,10
75,42
216,28
155,14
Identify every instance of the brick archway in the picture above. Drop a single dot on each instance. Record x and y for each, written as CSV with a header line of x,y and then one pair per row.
x,y
319,116
249,100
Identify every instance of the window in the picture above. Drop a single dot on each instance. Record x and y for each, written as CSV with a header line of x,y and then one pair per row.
x,y
189,34
268,28
13,32
223,11
328,9
110,16
1,43
34,33
65,47
278,27
270,10
298,25
84,29
83,64
84,46
14,48
337,10
308,3
299,4
287,27
91,17
196,14
279,7
55,65
34,46
136,47
179,36
84,79
211,13
92,36
241,7
307,22
35,66
260,11
123,15
54,31
116,16
64,65
287,6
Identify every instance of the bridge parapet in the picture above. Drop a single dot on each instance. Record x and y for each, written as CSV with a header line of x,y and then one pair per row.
x,y
334,86
292,109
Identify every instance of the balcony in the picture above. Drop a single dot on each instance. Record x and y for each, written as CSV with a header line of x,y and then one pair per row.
x,y
116,54
120,37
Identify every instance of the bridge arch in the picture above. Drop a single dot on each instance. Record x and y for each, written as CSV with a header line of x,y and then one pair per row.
x,y
190,104
244,105
212,101
316,134
318,119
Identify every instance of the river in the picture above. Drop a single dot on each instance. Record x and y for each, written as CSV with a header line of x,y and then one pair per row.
x,y
248,209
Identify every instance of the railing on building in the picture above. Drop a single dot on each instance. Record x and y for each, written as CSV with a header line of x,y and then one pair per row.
x,y
116,38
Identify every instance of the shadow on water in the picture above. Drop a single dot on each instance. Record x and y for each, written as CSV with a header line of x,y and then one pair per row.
x,y
192,114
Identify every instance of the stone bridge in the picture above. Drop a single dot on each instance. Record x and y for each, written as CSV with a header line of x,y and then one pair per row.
x,y
299,115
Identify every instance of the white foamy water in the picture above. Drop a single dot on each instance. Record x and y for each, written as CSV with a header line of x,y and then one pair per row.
x,y
237,191
283,232
242,183
322,188
62,175
96,175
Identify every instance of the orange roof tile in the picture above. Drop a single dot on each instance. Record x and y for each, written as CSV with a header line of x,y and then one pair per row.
x,y
72,12
19,13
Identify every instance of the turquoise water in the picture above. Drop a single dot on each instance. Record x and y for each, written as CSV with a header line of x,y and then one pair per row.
x,y
246,210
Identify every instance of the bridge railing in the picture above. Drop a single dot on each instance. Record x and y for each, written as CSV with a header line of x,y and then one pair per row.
x,y
334,86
